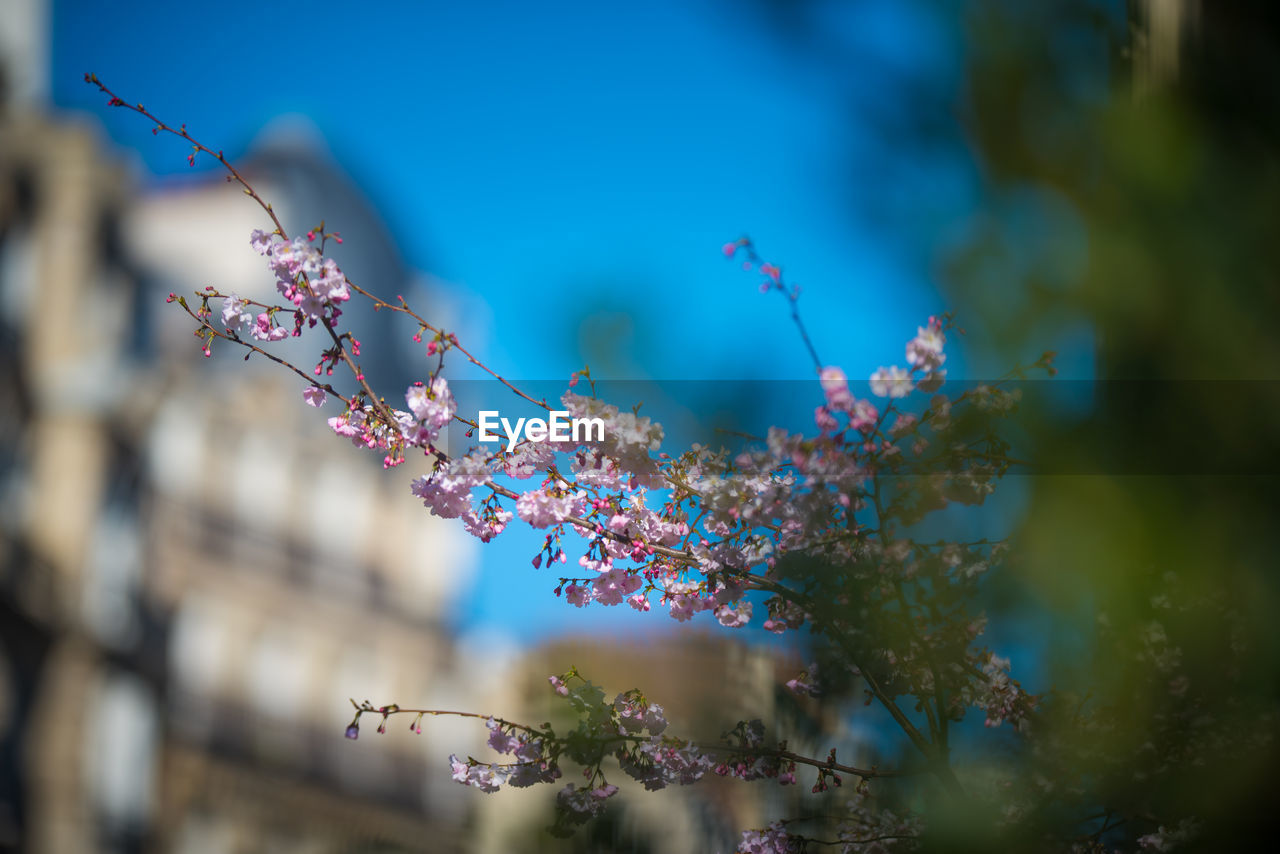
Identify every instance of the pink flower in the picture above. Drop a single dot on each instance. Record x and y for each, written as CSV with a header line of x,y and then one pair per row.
x,y
585,802
903,424
350,424
771,840
448,494
924,352
314,395
501,740
684,600
635,714
803,685
835,385
614,585
486,778
434,405
825,420
263,330
487,527
542,510
330,284
578,594
864,416
734,618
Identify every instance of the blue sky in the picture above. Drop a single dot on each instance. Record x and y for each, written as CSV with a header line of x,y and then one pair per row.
x,y
551,158
555,162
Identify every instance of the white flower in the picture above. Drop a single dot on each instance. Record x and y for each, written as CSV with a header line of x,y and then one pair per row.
x,y
236,313
925,350
891,382
261,241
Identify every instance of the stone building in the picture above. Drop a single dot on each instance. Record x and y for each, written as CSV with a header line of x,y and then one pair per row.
x,y
194,576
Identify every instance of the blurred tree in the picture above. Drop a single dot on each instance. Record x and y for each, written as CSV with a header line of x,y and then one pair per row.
x,y
1119,170
1169,187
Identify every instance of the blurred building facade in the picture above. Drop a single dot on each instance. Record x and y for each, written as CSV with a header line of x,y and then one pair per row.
x,y
188,583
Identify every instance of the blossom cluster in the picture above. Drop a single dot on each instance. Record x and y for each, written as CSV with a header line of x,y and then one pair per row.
x,y
811,528
431,408
773,839
305,277
868,826
1002,698
705,530
632,729
697,532
532,765
312,283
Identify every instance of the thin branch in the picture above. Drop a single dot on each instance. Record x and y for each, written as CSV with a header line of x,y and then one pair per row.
x,y
799,759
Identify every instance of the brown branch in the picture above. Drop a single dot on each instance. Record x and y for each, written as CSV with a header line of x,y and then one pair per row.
x,y
181,131
236,339
799,759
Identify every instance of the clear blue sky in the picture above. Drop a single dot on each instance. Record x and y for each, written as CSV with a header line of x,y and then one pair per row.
x,y
554,161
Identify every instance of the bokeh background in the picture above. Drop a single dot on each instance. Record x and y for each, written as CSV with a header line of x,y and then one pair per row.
x,y
196,577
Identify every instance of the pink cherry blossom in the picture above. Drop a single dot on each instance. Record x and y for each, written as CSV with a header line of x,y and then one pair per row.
x,y
542,509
